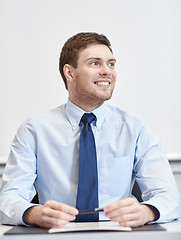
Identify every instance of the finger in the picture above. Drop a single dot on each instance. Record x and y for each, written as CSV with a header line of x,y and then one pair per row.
x,y
131,223
125,210
118,204
57,214
127,202
62,207
49,222
126,217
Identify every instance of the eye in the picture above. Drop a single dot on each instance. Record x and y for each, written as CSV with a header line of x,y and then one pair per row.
x,y
111,64
94,63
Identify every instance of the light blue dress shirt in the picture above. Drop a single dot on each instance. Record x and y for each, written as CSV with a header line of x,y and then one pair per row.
x,y
45,150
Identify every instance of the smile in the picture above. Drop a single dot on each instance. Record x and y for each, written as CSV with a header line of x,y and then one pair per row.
x,y
102,83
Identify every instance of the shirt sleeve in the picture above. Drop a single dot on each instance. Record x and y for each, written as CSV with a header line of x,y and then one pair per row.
x,y
154,176
18,179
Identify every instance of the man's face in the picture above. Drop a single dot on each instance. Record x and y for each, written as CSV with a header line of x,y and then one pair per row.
x,y
95,76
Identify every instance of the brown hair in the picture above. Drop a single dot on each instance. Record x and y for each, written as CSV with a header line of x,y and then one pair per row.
x,y
73,46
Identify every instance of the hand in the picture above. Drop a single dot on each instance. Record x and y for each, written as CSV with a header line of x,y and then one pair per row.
x,y
129,213
51,214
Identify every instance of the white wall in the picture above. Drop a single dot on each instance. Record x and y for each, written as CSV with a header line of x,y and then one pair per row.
x,y
146,40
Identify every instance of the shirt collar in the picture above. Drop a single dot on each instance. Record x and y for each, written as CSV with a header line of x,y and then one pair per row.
x,y
74,114
100,114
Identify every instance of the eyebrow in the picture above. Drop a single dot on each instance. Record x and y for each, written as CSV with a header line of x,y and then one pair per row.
x,y
97,58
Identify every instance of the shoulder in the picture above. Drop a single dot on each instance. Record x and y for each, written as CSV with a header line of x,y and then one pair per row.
x,y
47,118
132,123
117,114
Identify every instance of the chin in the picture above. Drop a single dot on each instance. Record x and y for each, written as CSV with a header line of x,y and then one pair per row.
x,y
105,98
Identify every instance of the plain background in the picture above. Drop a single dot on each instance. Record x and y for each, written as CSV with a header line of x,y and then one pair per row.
x,y
146,41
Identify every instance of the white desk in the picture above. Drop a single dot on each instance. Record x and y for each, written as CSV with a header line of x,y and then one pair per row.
x,y
173,232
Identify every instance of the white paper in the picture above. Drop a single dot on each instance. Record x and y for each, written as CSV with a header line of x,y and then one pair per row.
x,y
90,226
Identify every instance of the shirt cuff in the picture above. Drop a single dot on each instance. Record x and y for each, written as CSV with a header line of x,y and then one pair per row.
x,y
168,210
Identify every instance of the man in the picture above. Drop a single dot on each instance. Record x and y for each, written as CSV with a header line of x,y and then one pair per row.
x,y
45,150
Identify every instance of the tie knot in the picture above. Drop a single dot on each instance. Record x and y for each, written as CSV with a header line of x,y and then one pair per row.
x,y
88,118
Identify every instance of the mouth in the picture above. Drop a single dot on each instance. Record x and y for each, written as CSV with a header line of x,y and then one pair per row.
x,y
102,83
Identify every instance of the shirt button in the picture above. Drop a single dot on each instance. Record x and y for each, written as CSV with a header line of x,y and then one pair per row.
x,y
74,125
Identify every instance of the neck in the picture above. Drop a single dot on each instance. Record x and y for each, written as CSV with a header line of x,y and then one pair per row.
x,y
87,106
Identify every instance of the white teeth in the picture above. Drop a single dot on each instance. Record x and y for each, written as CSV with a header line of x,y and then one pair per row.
x,y
103,83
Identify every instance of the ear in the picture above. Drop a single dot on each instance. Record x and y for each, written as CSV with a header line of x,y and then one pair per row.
x,y
68,72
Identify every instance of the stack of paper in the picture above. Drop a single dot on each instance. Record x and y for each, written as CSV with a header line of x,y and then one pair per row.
x,y
90,226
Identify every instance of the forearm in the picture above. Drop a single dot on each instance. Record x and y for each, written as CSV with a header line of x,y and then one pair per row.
x,y
149,213
12,208
32,215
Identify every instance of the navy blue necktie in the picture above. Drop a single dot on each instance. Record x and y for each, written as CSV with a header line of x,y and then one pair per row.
x,y
87,195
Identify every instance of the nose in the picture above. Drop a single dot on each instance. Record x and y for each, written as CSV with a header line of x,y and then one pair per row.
x,y
105,70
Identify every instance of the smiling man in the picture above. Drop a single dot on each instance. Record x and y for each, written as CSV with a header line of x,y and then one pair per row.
x,y
76,165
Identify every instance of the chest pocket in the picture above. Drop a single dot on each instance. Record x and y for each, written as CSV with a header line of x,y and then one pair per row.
x,y
115,175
